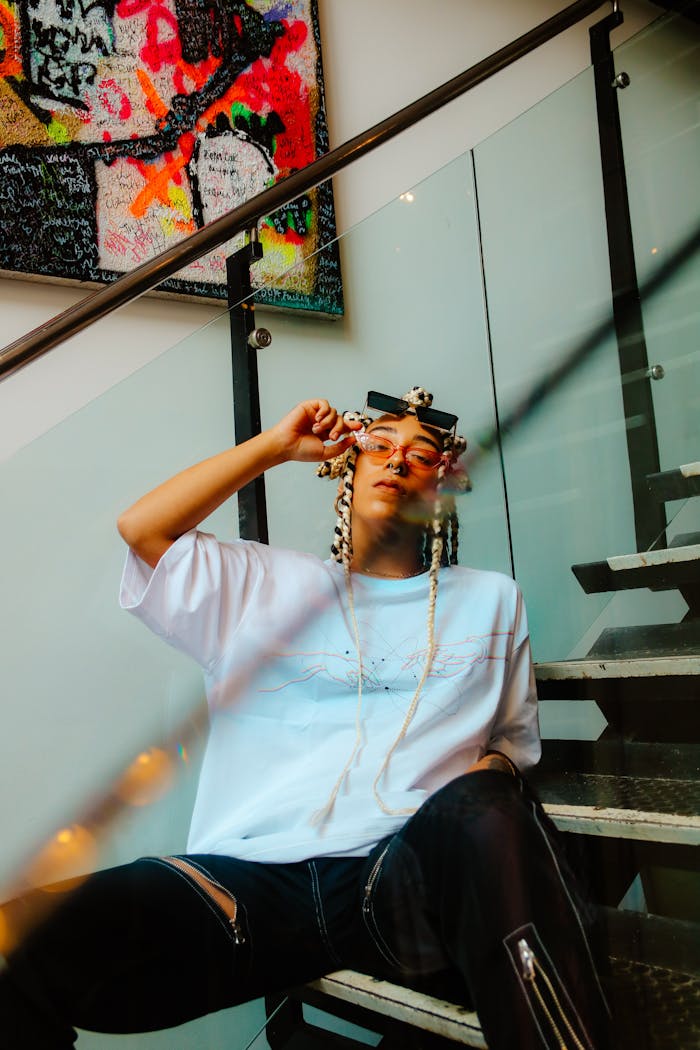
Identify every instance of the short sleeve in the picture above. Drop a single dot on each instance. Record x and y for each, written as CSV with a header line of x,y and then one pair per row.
x,y
516,730
197,595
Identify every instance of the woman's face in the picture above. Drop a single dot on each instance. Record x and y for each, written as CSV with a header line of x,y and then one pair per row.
x,y
392,489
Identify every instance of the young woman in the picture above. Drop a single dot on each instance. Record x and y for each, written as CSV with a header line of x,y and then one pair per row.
x,y
361,802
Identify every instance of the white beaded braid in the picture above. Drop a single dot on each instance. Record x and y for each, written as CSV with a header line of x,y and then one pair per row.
x,y
438,547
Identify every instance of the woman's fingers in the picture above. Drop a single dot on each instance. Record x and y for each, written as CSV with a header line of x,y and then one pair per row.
x,y
329,421
317,418
325,420
331,451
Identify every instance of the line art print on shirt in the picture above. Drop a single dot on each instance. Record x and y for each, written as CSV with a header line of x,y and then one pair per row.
x,y
395,670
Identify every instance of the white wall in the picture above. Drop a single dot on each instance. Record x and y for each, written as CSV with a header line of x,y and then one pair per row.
x,y
377,58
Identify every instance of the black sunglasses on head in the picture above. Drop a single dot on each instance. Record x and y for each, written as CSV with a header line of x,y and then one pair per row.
x,y
396,406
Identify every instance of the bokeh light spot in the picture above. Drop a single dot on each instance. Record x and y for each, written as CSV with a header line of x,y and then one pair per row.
x,y
147,779
70,855
4,934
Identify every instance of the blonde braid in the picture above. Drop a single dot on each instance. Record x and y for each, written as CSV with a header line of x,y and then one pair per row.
x,y
341,551
436,558
454,445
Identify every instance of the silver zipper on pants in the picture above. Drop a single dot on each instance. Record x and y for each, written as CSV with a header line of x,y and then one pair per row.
x,y
532,970
373,875
368,914
222,898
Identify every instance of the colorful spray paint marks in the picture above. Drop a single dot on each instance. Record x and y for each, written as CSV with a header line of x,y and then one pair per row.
x,y
127,124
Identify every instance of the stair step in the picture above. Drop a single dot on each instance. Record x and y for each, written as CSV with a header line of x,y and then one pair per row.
x,y
678,483
653,940
654,1008
625,824
654,981
685,539
664,569
653,988
645,640
655,700
404,1004
620,758
643,667
644,809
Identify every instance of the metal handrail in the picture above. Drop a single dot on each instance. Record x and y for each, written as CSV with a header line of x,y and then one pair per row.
x,y
148,275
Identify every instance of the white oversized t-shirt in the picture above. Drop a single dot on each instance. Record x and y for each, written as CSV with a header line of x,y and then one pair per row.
x,y
272,630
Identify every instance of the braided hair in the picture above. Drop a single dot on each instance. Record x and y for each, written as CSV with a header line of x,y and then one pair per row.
x,y
437,546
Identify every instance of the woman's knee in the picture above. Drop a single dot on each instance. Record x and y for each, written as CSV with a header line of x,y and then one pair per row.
x,y
475,818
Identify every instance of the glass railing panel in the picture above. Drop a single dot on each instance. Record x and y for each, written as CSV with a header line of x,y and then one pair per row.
x,y
661,139
97,683
545,255
413,272
86,688
414,316
620,728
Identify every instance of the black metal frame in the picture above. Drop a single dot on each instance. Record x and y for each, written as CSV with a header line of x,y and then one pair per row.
x,y
642,446
252,503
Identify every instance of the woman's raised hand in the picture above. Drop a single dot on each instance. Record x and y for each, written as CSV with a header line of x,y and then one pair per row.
x,y
304,431
181,503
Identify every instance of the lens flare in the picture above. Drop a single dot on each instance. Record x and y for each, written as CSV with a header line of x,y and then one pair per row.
x,y
4,934
65,859
148,778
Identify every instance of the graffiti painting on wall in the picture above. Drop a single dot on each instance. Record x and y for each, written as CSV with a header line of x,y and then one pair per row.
x,y
127,124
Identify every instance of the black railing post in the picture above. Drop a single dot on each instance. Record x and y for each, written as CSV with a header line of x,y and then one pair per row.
x,y
252,506
642,446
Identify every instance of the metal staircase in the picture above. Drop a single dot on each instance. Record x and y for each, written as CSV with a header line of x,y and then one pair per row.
x,y
672,567
629,804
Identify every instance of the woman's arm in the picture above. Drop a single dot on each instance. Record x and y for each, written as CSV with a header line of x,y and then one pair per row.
x,y
155,521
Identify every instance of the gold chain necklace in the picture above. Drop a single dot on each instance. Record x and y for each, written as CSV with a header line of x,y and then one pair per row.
x,y
391,575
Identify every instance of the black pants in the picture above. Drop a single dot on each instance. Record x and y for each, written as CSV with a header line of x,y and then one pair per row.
x,y
476,872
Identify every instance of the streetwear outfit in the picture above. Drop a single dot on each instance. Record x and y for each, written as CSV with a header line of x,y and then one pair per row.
x,y
449,892
271,629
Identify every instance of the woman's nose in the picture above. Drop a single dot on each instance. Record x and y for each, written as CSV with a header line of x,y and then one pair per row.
x,y
396,462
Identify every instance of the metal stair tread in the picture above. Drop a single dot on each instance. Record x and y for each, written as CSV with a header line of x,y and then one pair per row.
x,y
404,1004
634,986
651,760
662,556
679,483
639,641
664,1002
650,794
648,809
647,667
625,824
663,569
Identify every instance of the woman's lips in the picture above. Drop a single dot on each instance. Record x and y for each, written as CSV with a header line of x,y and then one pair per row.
x,y
391,486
